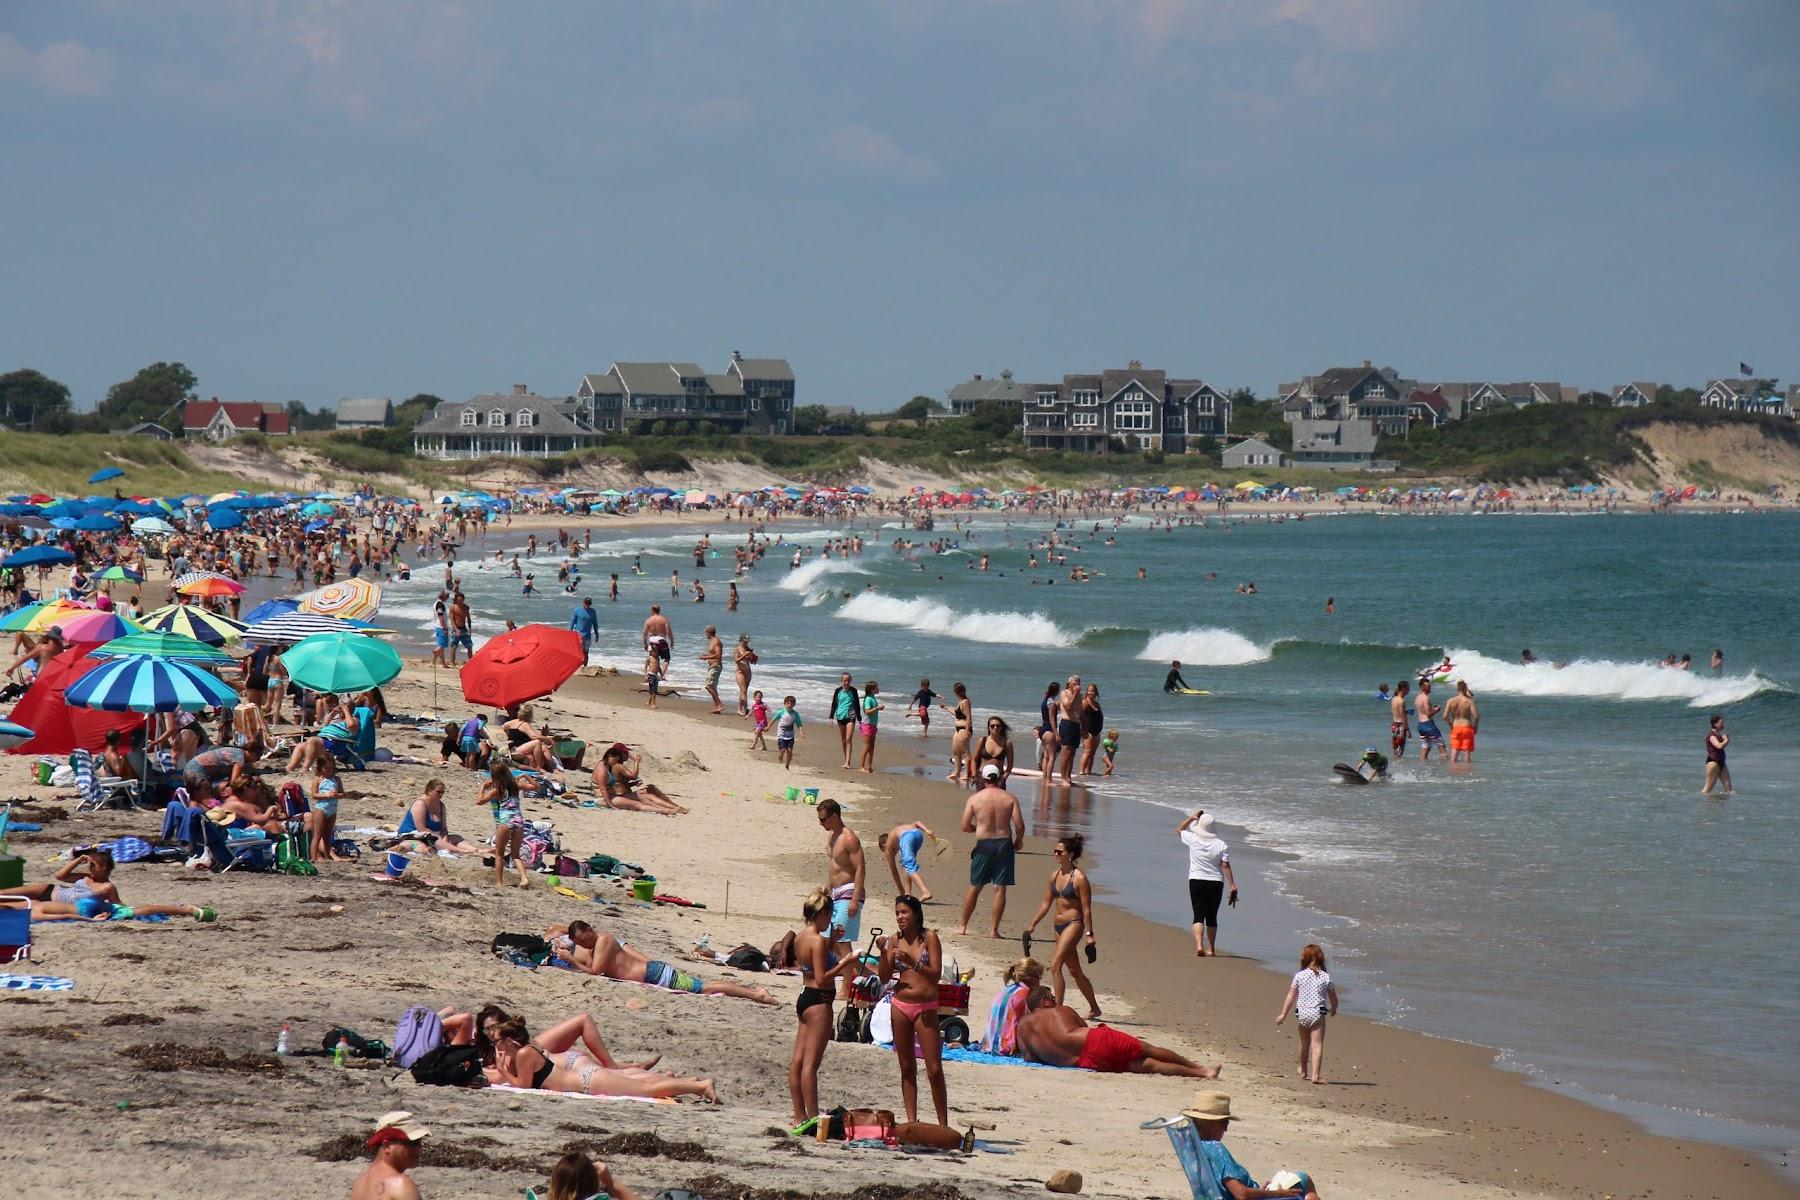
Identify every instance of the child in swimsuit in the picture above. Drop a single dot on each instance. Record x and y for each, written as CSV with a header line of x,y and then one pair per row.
x,y
327,790
759,720
1109,746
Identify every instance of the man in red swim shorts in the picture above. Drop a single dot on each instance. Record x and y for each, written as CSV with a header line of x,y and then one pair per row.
x,y
1052,1033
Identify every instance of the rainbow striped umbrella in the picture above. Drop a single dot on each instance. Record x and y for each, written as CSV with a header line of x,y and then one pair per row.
x,y
93,625
212,585
117,574
141,683
193,621
347,599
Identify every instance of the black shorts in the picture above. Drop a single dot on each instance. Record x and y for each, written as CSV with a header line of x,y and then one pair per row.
x,y
1069,734
991,861
259,682
1204,895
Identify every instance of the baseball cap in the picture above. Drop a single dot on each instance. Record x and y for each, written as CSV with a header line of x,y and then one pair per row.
x,y
397,1126
990,771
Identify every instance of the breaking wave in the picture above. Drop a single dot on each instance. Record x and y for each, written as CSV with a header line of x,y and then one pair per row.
x,y
806,574
929,616
1600,678
1207,647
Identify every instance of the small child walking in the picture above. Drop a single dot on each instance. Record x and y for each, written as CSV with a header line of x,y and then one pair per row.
x,y
759,720
1109,746
1311,998
787,728
652,678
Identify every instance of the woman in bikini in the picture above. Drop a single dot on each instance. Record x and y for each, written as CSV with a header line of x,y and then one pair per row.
x,y
915,955
995,746
961,716
621,787
501,794
478,1028
1068,891
819,965
521,1064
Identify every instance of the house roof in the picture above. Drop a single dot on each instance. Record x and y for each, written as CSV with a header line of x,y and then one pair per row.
x,y
602,384
1184,389
725,385
999,387
1114,382
1754,388
276,422
553,417
771,369
1355,437
1434,400
1341,381
147,427
1252,445
198,414
365,408
1648,389
653,378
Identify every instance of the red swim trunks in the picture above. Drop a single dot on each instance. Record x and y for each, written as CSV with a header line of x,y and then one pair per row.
x,y
1107,1049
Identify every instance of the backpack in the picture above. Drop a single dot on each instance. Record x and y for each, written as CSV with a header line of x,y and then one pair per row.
x,y
449,1066
420,1031
293,800
747,958
360,1046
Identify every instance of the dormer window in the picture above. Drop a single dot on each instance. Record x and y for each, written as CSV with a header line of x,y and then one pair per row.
x,y
1375,392
1047,398
496,418
470,417
1087,396
525,418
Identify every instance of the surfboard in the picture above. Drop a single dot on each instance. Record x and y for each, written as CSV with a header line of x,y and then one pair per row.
x,y
1348,773
1190,692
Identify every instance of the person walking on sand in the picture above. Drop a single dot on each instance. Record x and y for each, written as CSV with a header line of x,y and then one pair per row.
x,y
714,658
1716,741
1209,870
992,815
1069,893
1465,719
844,705
901,846
1311,998
396,1142
846,879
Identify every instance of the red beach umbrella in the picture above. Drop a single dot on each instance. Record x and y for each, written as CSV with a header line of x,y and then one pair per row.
x,y
521,665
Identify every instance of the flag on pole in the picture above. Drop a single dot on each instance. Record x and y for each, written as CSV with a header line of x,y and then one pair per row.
x,y
1744,369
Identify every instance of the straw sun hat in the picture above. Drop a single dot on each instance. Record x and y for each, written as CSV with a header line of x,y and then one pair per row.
x,y
1210,1106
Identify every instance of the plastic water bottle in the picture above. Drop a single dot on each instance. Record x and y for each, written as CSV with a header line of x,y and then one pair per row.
x,y
283,1046
341,1053
704,943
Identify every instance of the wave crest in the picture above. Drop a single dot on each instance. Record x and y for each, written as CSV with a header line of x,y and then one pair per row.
x,y
929,616
806,574
1600,678
1207,647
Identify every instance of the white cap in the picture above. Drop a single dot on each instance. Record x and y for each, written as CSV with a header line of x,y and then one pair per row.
x,y
990,771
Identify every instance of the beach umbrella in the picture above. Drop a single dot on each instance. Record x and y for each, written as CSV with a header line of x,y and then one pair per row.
x,y
140,683
18,508
193,621
105,473
271,608
187,577
92,625
317,508
157,644
215,585
13,734
348,599
20,619
1248,485
37,556
220,517
97,522
65,508
341,662
520,665
145,525
297,626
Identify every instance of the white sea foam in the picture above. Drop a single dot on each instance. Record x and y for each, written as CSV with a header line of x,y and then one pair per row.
x,y
1208,647
806,574
929,616
1605,679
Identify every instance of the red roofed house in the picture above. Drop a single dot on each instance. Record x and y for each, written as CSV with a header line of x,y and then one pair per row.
x,y
215,420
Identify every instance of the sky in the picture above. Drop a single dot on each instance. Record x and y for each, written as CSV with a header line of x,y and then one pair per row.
x,y
322,198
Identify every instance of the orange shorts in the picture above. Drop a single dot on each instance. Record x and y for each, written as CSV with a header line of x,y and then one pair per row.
x,y
1462,737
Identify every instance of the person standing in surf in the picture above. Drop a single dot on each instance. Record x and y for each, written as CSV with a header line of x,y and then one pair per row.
x,y
1399,730
1429,733
1716,741
1464,721
844,705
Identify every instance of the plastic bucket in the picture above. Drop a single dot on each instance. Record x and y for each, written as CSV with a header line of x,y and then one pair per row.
x,y
812,795
793,795
644,889
397,864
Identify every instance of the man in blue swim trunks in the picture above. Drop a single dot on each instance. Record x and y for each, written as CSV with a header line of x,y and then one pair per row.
x,y
595,953
845,880
902,844
1429,733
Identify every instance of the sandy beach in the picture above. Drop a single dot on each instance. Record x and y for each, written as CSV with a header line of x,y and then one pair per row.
x,y
93,1080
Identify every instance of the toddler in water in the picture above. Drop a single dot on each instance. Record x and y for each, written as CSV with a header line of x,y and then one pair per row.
x,y
759,720
1312,999
652,678
1109,746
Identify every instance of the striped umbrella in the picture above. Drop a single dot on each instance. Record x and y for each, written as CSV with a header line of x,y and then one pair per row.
x,y
117,574
21,619
214,585
193,621
157,644
187,577
94,625
340,662
151,525
141,683
348,599
297,626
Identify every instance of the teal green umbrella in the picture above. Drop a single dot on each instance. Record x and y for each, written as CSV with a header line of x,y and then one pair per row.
x,y
341,662
159,644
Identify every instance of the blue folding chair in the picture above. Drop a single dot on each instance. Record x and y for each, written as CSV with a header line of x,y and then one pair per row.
x,y
1203,1183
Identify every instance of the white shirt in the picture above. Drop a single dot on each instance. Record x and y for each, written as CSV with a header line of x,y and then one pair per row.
x,y
1311,988
1205,855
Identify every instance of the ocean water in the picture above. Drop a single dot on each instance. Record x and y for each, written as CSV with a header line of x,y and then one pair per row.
x,y
1572,900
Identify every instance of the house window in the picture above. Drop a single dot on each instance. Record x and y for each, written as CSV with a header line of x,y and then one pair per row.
x,y
1084,420
470,417
1047,398
1175,422
755,404
525,419
496,417
1204,404
1088,396
1131,414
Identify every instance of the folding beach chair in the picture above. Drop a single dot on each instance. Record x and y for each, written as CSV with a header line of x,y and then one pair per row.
x,y
15,929
1203,1183
99,790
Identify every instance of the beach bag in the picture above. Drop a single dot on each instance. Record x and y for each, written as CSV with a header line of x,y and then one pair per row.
x,y
525,949
449,1066
360,1046
570,868
420,1032
747,958
293,800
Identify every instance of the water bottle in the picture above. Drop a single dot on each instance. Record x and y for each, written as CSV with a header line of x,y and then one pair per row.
x,y
341,1053
704,943
283,1046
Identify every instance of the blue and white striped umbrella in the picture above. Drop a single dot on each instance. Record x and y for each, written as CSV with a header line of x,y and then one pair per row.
x,y
286,628
141,683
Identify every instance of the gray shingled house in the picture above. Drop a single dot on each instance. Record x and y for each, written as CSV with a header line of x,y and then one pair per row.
x,y
518,423
1142,408
754,395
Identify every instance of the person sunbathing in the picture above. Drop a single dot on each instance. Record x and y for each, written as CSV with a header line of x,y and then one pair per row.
x,y
521,1064
467,1029
87,875
529,744
427,820
597,953
92,908
617,781
1052,1033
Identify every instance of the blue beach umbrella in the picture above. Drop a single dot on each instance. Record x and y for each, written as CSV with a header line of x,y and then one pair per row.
x,y
37,556
220,517
276,607
98,523
142,683
105,473
318,509
64,508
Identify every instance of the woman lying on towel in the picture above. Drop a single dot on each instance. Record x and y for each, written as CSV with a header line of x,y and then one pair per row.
x,y
523,1065
467,1029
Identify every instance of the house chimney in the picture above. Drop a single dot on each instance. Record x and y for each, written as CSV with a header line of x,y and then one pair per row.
x,y
1367,364
978,377
737,356
1134,365
1007,375
519,389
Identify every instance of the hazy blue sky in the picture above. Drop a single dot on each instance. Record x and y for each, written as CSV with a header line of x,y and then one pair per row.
x,y
311,200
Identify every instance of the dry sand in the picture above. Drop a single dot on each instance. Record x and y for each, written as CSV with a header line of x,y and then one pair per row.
x,y
89,1097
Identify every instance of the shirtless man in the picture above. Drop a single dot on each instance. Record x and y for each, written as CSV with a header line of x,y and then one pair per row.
x,y
396,1143
992,815
1429,733
846,881
901,845
1399,729
597,953
714,658
1053,1033
1068,725
461,635
659,638
1464,721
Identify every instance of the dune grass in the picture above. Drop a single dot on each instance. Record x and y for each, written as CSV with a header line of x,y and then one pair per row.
x,y
60,464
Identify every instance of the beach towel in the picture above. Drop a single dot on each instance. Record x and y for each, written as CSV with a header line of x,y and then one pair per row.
x,y
965,1054
507,1087
36,983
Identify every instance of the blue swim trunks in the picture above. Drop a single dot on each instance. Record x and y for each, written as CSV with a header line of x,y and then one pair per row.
x,y
845,927
442,637
661,974
910,843
1429,733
